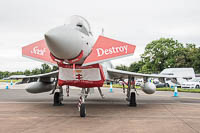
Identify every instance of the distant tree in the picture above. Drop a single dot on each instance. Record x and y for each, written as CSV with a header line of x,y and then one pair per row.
x,y
196,61
193,57
27,72
136,66
17,73
1,74
161,54
36,71
166,53
4,74
55,68
45,68
122,67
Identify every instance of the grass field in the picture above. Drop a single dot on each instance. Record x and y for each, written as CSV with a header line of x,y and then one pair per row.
x,y
159,89
9,81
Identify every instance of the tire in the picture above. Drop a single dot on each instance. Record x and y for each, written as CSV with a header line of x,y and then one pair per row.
x,y
197,86
82,110
56,99
133,100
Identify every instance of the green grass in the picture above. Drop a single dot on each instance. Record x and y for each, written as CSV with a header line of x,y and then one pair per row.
x,y
9,81
179,90
159,89
117,86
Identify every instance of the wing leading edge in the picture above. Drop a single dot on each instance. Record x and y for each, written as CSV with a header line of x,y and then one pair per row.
x,y
50,74
125,74
47,77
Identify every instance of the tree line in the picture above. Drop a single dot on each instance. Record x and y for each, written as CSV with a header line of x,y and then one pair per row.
x,y
166,53
44,69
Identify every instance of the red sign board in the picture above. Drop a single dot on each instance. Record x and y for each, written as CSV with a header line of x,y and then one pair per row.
x,y
38,51
107,49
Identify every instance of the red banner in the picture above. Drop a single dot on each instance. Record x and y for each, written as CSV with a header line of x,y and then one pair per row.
x,y
106,49
38,51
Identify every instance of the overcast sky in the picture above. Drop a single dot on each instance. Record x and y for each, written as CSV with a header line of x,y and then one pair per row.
x,y
136,22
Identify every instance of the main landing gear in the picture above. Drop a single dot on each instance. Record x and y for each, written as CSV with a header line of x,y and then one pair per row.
x,y
132,101
58,97
131,96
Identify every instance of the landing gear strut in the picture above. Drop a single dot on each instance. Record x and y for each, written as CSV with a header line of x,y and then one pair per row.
x,y
131,96
100,92
81,104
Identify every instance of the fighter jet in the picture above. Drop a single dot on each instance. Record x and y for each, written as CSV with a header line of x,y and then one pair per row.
x,y
83,62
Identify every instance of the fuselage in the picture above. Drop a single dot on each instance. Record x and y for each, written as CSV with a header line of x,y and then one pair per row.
x,y
69,41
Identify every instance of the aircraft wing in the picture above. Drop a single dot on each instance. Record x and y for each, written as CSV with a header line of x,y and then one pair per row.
x,y
50,74
46,77
114,73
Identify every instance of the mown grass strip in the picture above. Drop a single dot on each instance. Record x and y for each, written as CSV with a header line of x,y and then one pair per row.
x,y
9,81
159,89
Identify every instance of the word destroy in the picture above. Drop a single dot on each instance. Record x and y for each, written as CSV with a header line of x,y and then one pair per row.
x,y
112,50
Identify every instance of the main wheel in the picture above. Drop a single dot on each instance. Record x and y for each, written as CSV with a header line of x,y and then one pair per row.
x,y
82,110
57,101
197,86
133,100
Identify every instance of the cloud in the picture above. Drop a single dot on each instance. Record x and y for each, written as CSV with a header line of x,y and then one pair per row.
x,y
136,22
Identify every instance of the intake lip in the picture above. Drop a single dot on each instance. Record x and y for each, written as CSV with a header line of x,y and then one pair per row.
x,y
77,58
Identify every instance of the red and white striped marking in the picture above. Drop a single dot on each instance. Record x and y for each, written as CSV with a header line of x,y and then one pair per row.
x,y
79,103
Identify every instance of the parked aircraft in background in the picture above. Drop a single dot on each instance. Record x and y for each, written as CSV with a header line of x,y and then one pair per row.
x,y
83,62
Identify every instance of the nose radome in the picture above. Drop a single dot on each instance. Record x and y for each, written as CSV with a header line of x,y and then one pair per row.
x,y
64,42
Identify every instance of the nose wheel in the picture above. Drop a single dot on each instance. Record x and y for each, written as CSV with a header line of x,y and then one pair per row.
x,y
81,103
82,110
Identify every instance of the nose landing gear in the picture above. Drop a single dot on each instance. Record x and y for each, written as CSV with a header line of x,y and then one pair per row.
x,y
131,96
81,103
82,110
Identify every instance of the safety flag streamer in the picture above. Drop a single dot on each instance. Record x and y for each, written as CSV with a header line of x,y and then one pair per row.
x,y
74,73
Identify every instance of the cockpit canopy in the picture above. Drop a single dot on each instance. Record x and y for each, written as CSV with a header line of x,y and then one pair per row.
x,y
80,24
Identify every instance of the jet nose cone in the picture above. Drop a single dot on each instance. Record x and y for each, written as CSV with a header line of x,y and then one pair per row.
x,y
64,42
